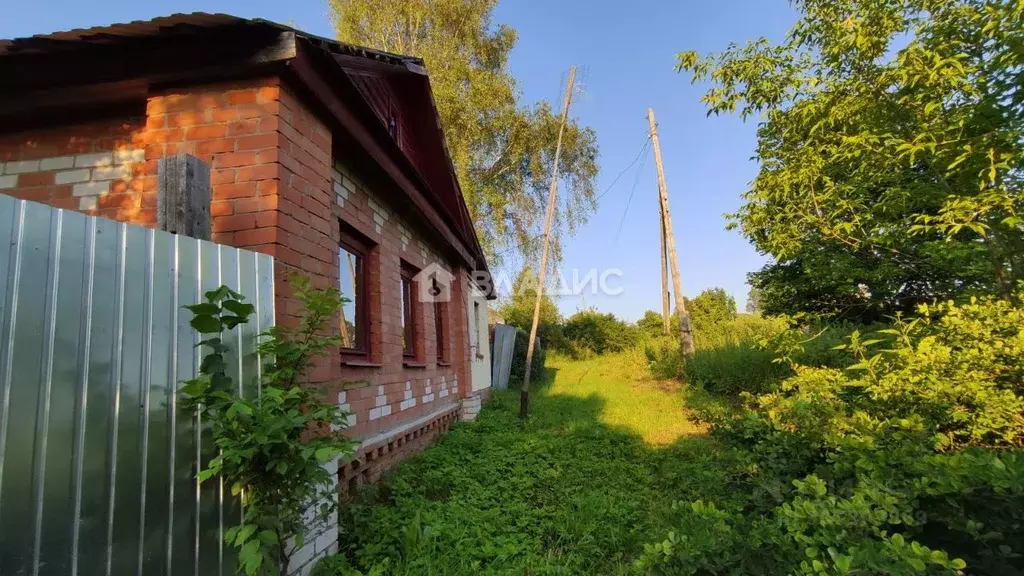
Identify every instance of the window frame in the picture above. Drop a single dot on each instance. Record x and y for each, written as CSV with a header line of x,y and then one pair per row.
x,y
360,248
407,287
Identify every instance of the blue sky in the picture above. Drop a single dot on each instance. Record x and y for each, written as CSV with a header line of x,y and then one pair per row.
x,y
628,50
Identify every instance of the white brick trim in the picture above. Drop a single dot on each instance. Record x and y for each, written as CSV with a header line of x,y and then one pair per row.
x,y
57,163
94,160
89,174
72,176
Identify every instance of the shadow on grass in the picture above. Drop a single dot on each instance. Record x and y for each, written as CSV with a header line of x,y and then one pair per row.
x,y
560,493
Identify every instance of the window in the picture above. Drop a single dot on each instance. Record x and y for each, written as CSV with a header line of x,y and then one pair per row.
x,y
408,293
440,325
352,276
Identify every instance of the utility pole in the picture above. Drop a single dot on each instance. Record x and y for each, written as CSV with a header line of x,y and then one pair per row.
x,y
685,335
666,311
524,398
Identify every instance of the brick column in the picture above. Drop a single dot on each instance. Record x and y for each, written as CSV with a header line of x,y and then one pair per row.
x,y
235,129
270,176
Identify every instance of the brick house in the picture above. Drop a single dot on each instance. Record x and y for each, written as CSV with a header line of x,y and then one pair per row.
x,y
327,156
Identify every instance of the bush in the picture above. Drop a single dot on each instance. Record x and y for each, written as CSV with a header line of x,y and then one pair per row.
x,y
664,357
590,332
908,462
751,353
518,371
265,451
735,367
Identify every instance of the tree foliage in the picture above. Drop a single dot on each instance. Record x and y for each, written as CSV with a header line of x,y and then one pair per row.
x,y
503,150
590,331
712,307
708,310
753,301
272,445
517,310
891,152
651,324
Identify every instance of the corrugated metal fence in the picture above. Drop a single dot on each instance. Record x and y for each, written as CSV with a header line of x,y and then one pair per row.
x,y
97,464
504,339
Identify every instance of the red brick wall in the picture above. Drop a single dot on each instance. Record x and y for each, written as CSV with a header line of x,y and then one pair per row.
x,y
395,241
273,191
234,128
58,166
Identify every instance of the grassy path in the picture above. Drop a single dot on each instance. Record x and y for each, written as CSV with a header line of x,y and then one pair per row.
x,y
629,400
578,490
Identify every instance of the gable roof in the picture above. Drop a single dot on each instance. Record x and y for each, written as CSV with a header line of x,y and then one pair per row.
x,y
211,45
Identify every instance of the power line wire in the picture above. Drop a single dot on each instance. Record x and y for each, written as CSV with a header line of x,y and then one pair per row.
x,y
643,148
636,180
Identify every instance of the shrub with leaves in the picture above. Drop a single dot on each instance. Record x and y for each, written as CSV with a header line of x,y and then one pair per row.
x,y
272,445
909,461
589,331
518,370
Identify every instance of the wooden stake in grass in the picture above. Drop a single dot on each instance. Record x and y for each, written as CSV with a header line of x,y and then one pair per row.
x,y
685,335
524,397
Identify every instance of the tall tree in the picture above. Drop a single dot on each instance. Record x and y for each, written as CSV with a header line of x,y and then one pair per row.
x,y
891,152
517,309
753,301
712,306
503,150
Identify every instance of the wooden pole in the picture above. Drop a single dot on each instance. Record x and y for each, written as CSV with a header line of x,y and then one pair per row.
x,y
524,398
666,310
685,335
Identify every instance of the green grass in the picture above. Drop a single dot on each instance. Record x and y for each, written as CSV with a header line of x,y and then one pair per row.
x,y
631,401
578,489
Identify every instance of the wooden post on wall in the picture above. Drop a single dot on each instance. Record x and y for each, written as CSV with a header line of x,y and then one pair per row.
x,y
183,196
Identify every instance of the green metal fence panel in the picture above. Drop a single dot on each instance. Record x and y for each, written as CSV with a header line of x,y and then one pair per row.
x,y
97,463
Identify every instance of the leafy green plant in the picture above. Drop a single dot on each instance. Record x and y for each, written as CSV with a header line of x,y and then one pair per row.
x,y
272,445
518,369
663,357
591,332
735,367
909,461
574,490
